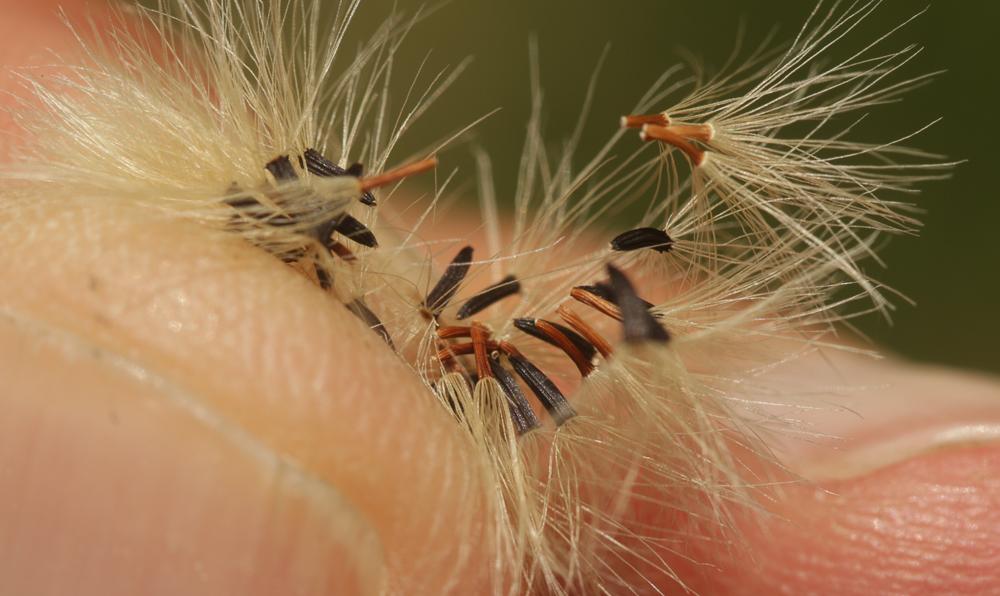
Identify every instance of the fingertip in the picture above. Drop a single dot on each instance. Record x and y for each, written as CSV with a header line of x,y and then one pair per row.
x,y
926,525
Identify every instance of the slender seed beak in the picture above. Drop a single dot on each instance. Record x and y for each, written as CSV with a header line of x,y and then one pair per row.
x,y
681,137
637,120
399,173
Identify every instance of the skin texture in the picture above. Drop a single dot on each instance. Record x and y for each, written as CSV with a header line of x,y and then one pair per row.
x,y
182,414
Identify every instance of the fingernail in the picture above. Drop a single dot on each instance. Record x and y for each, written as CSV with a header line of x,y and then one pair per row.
x,y
865,413
926,525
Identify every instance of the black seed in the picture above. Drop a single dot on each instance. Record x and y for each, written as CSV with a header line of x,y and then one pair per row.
x,y
528,326
356,169
445,289
520,410
552,399
638,322
317,165
356,231
603,290
291,256
653,238
506,287
323,277
277,221
251,207
324,233
281,168
243,202
361,311
600,289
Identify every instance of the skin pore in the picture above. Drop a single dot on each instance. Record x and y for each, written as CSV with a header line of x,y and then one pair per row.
x,y
181,414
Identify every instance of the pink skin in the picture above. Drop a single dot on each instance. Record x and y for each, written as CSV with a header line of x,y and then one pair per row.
x,y
146,395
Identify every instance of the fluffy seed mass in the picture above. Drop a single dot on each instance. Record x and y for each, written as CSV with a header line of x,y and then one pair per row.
x,y
575,370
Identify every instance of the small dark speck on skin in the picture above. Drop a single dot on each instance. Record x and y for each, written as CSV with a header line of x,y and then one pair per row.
x,y
93,283
113,417
102,319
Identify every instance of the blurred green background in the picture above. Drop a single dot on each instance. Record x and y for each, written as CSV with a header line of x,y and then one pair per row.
x,y
951,271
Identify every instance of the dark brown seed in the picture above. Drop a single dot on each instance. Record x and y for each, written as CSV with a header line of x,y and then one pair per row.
x,y
520,410
243,202
653,238
528,326
281,168
508,286
252,208
640,325
442,293
552,399
590,334
342,251
480,337
361,311
603,290
317,165
323,277
454,331
356,231
356,169
292,256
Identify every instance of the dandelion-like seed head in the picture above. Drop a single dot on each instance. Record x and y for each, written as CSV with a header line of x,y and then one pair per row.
x,y
599,387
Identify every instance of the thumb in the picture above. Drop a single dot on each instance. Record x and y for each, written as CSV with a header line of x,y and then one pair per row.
x,y
904,498
185,415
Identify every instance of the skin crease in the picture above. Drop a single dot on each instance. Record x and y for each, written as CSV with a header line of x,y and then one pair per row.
x,y
161,435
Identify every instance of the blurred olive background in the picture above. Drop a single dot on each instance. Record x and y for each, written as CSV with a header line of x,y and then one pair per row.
x,y
951,271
